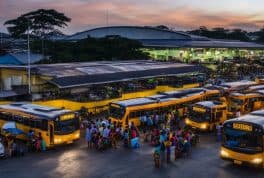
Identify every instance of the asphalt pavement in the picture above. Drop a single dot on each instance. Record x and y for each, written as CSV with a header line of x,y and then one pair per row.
x,y
78,161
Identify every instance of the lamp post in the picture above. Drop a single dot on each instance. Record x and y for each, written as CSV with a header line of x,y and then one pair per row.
x,y
28,53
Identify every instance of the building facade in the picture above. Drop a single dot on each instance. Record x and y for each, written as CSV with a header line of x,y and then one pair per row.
x,y
172,45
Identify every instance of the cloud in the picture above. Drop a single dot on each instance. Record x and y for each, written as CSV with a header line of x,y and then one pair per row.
x,y
87,14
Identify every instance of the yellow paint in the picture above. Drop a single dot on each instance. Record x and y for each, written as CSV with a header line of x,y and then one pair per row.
x,y
156,106
208,125
245,97
241,126
198,109
98,106
64,139
242,157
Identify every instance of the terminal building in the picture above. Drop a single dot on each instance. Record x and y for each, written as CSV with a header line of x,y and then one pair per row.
x,y
71,80
172,45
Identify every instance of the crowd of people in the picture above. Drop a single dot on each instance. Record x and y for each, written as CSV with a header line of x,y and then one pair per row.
x,y
166,142
102,134
13,147
10,147
163,131
160,130
35,142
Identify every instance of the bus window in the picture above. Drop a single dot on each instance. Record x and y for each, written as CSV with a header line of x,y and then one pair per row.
x,y
31,123
200,116
44,125
134,114
26,121
66,126
243,140
237,101
116,112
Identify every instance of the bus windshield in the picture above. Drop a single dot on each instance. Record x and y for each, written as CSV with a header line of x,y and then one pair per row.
x,y
236,101
116,112
243,140
66,126
200,116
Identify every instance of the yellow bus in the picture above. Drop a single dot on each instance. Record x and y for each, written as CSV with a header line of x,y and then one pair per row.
x,y
243,140
255,88
128,111
245,102
238,85
205,115
56,126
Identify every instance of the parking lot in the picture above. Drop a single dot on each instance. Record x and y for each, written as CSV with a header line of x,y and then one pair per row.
x,y
77,161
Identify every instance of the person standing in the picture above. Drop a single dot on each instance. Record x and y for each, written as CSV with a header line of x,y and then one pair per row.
x,y
168,149
219,132
88,136
156,157
162,153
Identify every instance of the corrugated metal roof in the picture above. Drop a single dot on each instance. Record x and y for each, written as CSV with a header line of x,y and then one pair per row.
x,y
72,81
19,58
8,59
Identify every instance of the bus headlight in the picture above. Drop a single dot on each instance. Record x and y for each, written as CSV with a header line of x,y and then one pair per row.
x,y
204,126
257,161
57,140
187,121
224,153
77,135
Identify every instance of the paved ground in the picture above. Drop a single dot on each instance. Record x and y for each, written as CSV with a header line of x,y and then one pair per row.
x,y
77,161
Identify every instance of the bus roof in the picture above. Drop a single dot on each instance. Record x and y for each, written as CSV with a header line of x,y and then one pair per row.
x,y
238,83
255,93
258,113
37,110
257,87
135,101
209,104
183,92
176,95
259,120
260,92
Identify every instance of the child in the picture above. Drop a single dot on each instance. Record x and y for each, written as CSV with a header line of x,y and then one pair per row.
x,y
156,157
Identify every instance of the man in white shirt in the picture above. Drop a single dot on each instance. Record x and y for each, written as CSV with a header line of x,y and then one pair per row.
x,y
106,132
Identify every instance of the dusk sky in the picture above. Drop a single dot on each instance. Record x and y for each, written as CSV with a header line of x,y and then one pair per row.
x,y
180,14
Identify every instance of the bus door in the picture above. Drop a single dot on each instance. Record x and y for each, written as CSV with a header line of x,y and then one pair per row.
x,y
217,118
51,132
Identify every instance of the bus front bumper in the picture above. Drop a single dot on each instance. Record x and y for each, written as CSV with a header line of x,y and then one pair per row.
x,y
66,139
194,125
253,160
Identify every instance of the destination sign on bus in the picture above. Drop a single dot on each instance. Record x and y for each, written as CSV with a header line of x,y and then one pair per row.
x,y
67,117
199,109
115,105
244,127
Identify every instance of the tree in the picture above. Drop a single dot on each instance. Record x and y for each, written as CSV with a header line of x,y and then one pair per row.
x,y
163,27
39,22
91,49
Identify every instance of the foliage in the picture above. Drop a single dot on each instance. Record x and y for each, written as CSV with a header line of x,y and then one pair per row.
x,y
222,33
90,49
162,27
40,22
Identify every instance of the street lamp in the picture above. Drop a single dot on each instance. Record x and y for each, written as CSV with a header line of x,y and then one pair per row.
x,y
28,53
